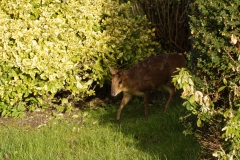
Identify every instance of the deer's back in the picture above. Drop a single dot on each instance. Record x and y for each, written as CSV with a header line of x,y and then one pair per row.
x,y
154,71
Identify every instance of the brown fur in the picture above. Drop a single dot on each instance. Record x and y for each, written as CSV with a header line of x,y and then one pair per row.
x,y
149,74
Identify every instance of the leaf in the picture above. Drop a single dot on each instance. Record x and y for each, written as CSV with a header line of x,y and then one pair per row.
x,y
4,113
225,81
199,122
221,88
64,101
185,103
189,106
192,99
75,116
21,107
234,39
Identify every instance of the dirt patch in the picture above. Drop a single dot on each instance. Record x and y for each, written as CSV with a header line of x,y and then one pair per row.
x,y
30,120
210,141
41,117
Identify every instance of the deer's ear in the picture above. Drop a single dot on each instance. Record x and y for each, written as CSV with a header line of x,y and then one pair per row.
x,y
123,75
113,71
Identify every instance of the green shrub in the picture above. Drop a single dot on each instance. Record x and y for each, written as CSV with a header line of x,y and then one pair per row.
x,y
215,97
129,38
52,45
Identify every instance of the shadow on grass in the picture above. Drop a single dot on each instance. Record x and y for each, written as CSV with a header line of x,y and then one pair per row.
x,y
161,136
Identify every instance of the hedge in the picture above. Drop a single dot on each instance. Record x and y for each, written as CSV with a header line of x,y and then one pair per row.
x,y
52,45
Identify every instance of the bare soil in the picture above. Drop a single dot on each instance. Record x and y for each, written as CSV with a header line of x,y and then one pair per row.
x,y
30,120
41,117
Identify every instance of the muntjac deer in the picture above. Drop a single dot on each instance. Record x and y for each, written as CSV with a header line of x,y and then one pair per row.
x,y
141,79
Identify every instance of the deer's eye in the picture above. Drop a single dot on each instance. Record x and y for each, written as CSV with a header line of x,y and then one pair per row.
x,y
120,82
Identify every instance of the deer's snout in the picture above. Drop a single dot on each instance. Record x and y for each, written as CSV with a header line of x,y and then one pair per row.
x,y
113,93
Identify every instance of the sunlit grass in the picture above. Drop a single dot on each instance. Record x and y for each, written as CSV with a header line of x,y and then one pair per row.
x,y
96,135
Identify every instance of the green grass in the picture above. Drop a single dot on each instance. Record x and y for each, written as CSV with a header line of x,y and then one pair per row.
x,y
99,136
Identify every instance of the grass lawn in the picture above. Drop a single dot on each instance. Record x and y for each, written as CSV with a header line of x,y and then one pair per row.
x,y
95,134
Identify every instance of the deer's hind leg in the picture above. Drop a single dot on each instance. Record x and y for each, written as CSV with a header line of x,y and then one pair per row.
x,y
171,91
146,95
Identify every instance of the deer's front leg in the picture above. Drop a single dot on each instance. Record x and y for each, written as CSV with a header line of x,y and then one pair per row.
x,y
126,98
